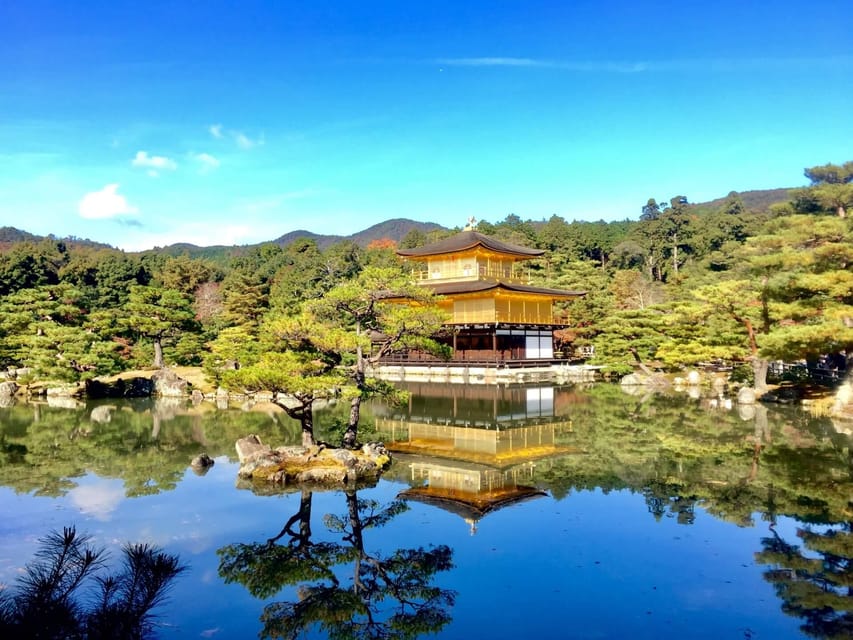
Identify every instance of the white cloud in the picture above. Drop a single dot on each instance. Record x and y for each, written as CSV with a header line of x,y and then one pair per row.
x,y
245,142
106,203
202,234
154,164
98,500
207,161
241,139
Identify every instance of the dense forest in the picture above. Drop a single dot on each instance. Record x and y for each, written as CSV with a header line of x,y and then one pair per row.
x,y
748,278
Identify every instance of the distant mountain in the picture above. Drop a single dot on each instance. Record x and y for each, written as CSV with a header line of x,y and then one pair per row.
x,y
757,200
394,229
11,235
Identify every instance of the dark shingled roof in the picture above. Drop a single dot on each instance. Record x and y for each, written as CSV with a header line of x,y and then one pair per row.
x,y
468,240
476,286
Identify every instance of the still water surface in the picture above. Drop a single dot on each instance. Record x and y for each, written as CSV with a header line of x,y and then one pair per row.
x,y
509,511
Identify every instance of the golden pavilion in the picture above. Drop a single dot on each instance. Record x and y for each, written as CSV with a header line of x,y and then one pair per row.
x,y
496,316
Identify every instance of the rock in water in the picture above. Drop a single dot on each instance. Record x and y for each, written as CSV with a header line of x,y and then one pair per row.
x,y
201,463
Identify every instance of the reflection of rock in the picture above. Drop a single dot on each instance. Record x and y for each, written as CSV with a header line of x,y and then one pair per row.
x,y
169,407
221,398
167,383
843,405
315,465
63,402
746,395
7,401
693,378
718,385
643,380
201,464
102,414
746,412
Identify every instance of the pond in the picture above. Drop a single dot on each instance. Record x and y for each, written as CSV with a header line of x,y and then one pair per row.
x,y
539,511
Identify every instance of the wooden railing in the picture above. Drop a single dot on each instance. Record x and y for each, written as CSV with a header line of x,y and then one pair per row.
x,y
483,272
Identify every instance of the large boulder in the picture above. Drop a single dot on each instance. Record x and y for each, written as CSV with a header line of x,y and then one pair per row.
x,y
746,395
8,389
250,447
168,383
201,464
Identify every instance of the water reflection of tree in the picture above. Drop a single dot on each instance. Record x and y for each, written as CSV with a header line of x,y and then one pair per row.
x,y
387,597
815,580
43,448
679,454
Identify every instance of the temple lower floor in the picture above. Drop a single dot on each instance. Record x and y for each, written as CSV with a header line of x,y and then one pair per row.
x,y
496,344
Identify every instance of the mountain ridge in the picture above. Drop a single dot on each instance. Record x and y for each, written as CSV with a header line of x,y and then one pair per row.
x,y
393,229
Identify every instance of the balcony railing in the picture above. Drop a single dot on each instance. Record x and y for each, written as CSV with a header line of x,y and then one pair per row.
x,y
482,272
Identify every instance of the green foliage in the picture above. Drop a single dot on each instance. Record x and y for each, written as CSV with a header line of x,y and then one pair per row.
x,y
814,581
47,604
679,261
43,329
159,315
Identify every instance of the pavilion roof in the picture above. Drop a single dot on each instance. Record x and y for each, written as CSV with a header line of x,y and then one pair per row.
x,y
465,240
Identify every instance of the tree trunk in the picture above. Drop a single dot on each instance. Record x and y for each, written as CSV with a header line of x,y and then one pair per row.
x,y
759,370
305,415
306,419
303,517
158,353
675,255
351,433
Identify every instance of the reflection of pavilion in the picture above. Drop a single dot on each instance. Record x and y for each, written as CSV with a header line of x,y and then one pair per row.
x,y
474,447
468,490
497,426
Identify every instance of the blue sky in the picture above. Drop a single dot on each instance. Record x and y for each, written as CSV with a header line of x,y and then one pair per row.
x,y
143,124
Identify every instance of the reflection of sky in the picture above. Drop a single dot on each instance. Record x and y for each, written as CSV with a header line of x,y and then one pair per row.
x,y
97,497
591,565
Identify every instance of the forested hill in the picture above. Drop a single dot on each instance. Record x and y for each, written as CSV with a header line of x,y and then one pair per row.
x,y
753,201
10,236
395,229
